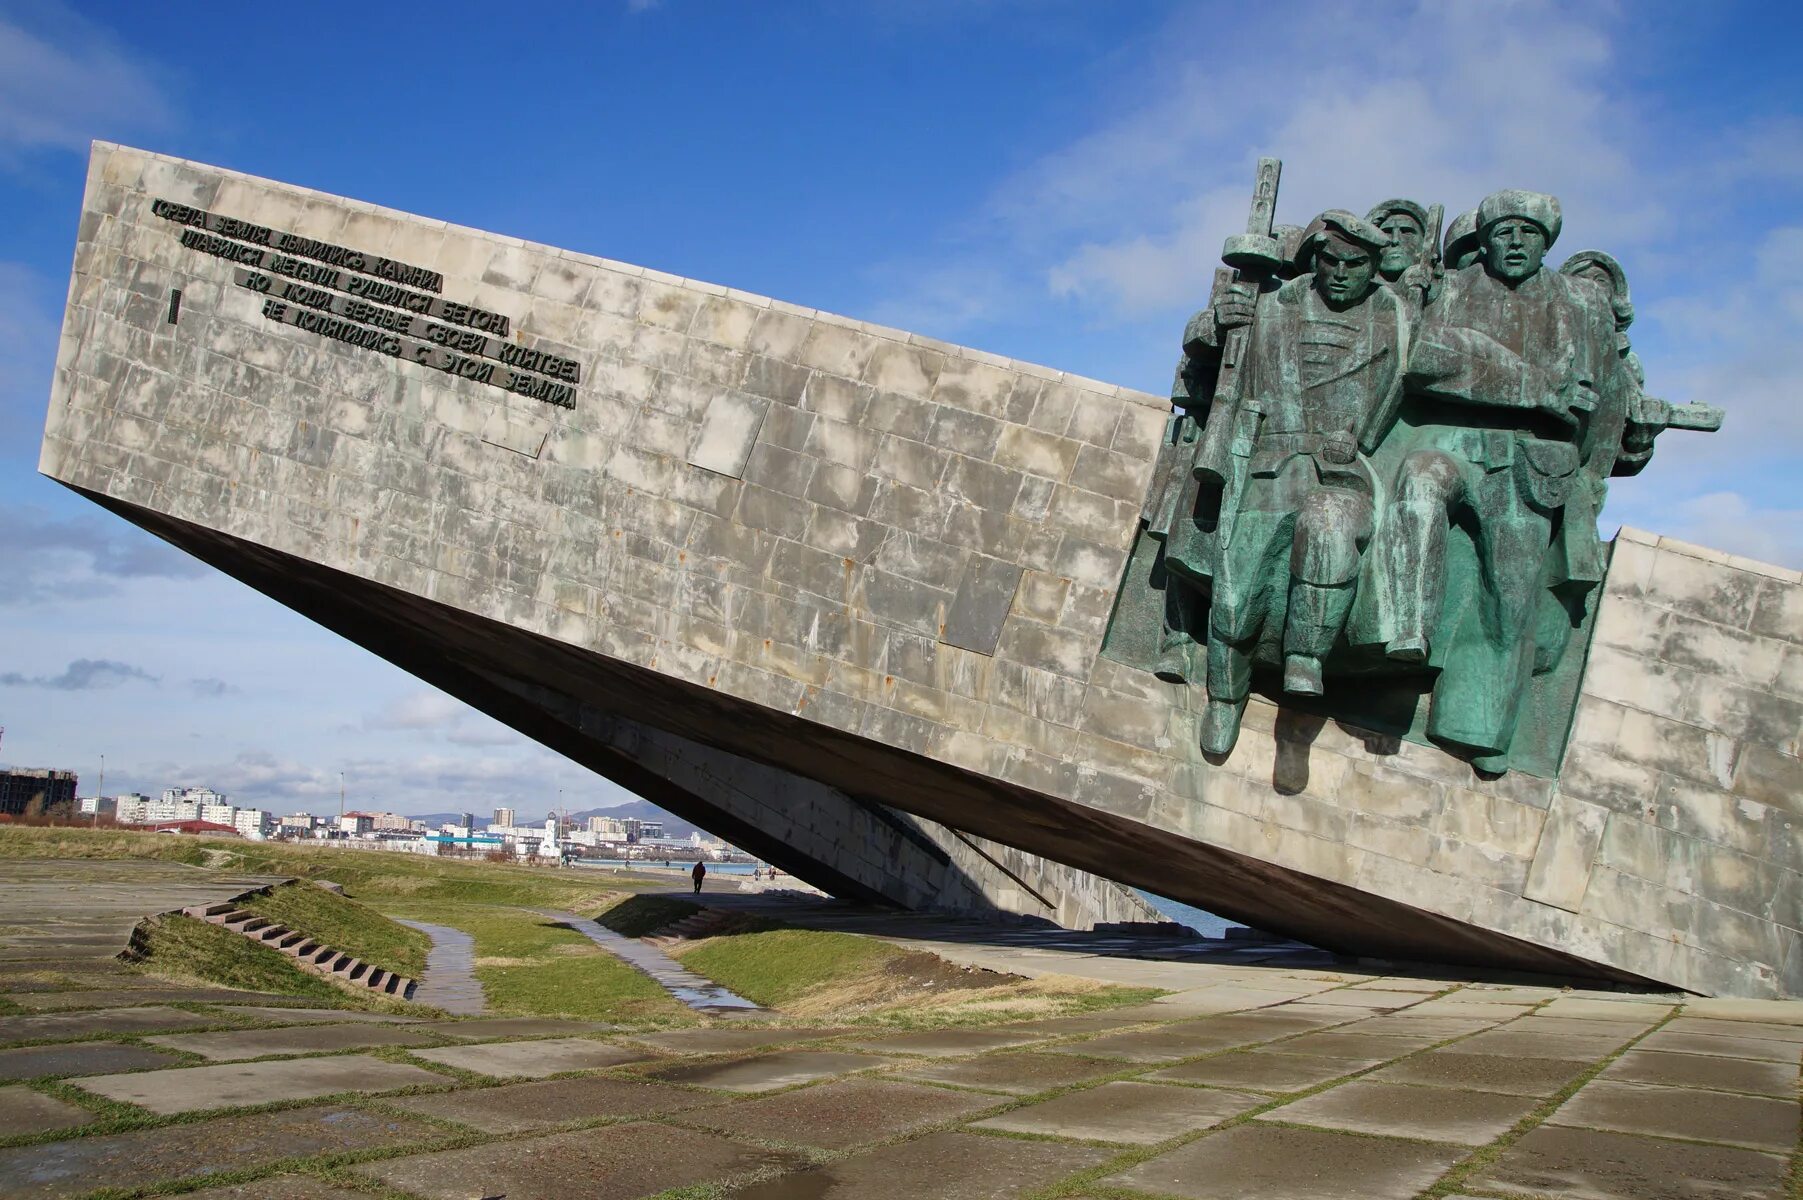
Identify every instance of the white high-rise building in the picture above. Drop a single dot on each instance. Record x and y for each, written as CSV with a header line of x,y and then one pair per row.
x,y
503,817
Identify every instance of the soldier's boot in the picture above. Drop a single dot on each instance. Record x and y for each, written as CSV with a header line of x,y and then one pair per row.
x,y
1229,683
1317,613
1221,725
1302,675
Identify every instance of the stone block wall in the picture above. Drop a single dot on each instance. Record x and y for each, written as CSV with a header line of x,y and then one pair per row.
x,y
864,539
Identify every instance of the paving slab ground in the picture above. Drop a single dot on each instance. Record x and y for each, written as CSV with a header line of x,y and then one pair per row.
x,y
1271,1162
282,1187
841,1115
504,1027
25,1111
131,997
152,1019
150,1156
1771,1031
1397,1110
946,1043
1258,1070
1406,1024
282,1015
1762,1049
192,1089
729,1040
1751,1122
534,1059
80,1058
1142,1114
1587,1164
1365,1048
767,1072
531,1107
946,1166
1699,1071
632,1160
232,1044
1539,1077
1019,1074
1152,1046
1510,1044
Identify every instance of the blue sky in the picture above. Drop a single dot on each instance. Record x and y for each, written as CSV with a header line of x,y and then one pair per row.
x,y
1046,180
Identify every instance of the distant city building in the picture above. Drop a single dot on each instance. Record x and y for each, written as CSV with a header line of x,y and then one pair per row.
x,y
503,817
193,795
355,823
300,823
466,820
97,806
33,790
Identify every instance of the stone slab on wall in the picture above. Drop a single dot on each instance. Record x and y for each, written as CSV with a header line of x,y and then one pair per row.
x,y
848,574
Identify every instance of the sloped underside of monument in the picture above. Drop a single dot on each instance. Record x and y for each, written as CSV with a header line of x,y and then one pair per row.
x,y
576,702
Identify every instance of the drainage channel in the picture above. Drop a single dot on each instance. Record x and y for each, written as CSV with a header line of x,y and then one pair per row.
x,y
697,991
450,980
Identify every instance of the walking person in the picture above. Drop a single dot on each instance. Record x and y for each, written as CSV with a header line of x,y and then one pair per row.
x,y
698,874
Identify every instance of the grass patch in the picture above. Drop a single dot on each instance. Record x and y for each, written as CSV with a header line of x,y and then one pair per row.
x,y
533,965
848,977
193,951
636,916
344,924
780,966
371,876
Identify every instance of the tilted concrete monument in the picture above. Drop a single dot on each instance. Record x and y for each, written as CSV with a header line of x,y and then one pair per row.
x,y
1335,653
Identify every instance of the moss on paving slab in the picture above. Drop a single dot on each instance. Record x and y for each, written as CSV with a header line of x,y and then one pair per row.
x,y
344,924
530,963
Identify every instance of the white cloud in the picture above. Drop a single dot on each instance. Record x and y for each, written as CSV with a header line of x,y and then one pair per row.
x,y
65,80
1121,228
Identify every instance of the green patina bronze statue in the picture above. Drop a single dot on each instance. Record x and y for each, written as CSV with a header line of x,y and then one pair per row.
x,y
1383,481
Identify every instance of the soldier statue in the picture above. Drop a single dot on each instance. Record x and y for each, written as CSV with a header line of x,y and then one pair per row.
x,y
1387,467
1324,370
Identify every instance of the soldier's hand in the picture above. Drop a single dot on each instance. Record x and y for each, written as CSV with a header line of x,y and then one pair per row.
x,y
1338,448
1649,411
1235,307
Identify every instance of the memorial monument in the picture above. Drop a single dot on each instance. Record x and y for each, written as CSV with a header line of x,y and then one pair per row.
x,y
1325,642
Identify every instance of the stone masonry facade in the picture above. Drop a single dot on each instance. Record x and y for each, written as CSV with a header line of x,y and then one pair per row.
x,y
917,544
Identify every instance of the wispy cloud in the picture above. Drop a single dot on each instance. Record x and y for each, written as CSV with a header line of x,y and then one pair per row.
x,y
210,689
82,675
1118,231
63,79
51,559
432,712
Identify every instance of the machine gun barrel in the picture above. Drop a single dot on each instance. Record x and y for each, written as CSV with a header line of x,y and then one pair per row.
x,y
1705,418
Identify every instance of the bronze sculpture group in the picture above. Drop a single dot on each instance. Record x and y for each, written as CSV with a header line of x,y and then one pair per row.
x,y
1389,458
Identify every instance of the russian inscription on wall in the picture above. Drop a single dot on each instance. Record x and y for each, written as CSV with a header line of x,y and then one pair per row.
x,y
374,303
